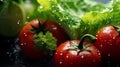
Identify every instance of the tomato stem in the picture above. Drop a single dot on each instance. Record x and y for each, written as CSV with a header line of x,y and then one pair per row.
x,y
92,39
41,27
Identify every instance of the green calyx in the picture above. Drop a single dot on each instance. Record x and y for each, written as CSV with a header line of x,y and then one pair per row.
x,y
45,42
43,39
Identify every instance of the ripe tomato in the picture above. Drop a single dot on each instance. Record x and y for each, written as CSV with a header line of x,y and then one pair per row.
x,y
32,29
108,42
69,55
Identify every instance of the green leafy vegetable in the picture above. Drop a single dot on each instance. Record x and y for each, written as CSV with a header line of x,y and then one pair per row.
x,y
68,13
93,21
115,12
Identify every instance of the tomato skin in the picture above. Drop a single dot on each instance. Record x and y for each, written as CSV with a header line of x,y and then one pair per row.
x,y
108,42
64,57
26,37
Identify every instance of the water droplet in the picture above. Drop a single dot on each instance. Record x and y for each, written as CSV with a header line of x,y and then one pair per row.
x,y
67,56
56,53
7,53
96,35
110,44
104,40
18,22
25,34
108,54
61,54
61,19
60,62
53,11
21,44
101,45
113,37
67,18
28,17
15,51
82,56
54,28
99,53
52,6
40,6
1,0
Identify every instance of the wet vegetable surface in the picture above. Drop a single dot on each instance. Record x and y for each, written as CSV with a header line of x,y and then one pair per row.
x,y
68,12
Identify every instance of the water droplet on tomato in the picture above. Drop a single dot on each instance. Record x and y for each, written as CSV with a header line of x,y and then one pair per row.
x,y
54,28
82,56
113,37
56,53
108,54
25,34
60,62
21,44
99,53
61,54
67,56
101,45
110,44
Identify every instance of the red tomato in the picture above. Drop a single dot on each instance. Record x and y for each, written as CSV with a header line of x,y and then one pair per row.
x,y
108,42
68,55
26,37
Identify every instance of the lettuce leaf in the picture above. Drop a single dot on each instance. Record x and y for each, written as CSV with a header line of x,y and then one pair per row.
x,y
115,12
79,17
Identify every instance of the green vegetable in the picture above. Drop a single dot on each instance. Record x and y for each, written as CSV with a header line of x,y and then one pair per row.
x,y
115,12
46,41
11,19
68,13
79,17
93,21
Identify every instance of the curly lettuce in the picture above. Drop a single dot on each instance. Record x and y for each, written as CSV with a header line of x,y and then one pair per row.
x,y
79,17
